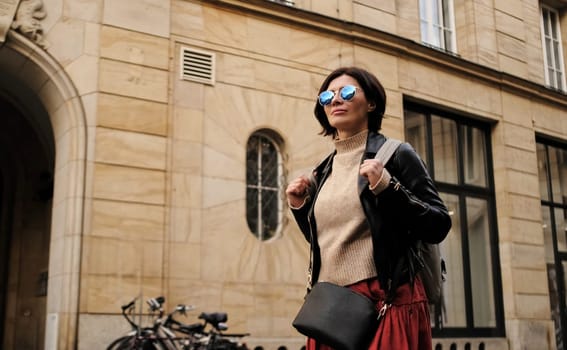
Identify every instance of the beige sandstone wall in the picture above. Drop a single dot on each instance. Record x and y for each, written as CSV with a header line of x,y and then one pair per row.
x,y
165,191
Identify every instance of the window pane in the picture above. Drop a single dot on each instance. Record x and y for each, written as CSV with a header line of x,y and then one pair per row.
x,y
444,135
560,231
424,34
554,302
559,80
556,58
547,234
416,132
558,168
474,156
480,263
435,14
269,215
252,209
252,161
553,24
435,40
452,251
548,52
542,172
545,14
269,164
447,24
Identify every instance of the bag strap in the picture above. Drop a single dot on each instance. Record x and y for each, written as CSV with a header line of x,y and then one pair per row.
x,y
384,154
387,150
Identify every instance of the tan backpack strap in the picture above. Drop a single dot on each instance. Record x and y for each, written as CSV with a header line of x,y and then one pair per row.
x,y
387,150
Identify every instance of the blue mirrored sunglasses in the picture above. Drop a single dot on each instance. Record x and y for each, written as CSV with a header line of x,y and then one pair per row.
x,y
346,93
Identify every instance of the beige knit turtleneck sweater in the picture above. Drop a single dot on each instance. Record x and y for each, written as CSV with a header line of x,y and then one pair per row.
x,y
343,233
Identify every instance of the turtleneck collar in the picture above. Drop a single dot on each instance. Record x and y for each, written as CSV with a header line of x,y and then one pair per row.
x,y
351,143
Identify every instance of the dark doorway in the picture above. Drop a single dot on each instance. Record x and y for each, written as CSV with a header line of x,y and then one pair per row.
x,y
26,190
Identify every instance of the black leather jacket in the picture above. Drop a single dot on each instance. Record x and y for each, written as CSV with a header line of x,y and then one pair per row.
x,y
409,209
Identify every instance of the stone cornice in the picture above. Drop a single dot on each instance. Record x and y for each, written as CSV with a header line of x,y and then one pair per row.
x,y
396,45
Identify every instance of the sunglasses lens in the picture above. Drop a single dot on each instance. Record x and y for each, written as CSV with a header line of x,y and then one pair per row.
x,y
326,97
347,92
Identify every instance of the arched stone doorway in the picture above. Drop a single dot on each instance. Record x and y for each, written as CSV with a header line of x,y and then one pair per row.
x,y
43,141
26,168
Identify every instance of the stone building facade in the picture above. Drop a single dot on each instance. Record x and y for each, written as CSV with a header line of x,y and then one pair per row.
x,y
132,139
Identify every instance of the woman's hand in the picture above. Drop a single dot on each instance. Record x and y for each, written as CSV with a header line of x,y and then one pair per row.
x,y
297,191
372,170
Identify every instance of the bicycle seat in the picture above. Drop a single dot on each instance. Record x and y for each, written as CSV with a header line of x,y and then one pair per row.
x,y
214,317
191,328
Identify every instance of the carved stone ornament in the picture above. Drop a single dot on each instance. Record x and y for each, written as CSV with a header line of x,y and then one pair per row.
x,y
7,11
27,21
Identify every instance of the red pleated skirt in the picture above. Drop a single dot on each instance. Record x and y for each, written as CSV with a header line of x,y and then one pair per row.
x,y
405,326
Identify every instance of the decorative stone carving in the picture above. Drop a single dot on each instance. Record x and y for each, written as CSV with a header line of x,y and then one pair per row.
x,y
27,21
7,12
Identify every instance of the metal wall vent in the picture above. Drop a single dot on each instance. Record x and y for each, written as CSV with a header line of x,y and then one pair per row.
x,y
197,65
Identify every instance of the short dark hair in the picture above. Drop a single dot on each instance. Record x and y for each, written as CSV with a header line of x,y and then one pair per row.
x,y
373,90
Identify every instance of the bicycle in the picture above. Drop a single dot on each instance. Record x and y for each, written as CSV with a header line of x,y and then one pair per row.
x,y
156,337
212,339
167,333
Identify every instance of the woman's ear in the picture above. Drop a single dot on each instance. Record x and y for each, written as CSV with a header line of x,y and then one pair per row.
x,y
371,107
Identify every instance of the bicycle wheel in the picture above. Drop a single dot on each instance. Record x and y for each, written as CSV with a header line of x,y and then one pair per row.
x,y
157,344
126,342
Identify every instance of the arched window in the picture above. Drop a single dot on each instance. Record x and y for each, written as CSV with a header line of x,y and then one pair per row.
x,y
264,178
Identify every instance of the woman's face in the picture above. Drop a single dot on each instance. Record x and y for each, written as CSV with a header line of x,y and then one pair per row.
x,y
348,117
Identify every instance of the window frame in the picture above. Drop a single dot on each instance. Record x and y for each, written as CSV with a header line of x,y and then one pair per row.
x,y
276,141
464,191
559,257
556,66
447,24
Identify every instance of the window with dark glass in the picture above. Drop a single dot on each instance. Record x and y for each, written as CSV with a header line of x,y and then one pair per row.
x,y
552,172
263,184
457,153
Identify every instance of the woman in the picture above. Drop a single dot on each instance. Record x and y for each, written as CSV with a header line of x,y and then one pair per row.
x,y
363,218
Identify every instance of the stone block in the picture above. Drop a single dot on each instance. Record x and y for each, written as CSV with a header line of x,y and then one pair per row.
x,y
529,281
522,183
146,16
509,25
112,257
516,110
127,221
217,164
184,260
187,19
337,9
128,184
510,7
84,72
518,136
133,80
519,230
384,66
106,294
130,149
185,225
375,18
137,115
530,306
187,157
67,40
530,334
225,28
134,47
